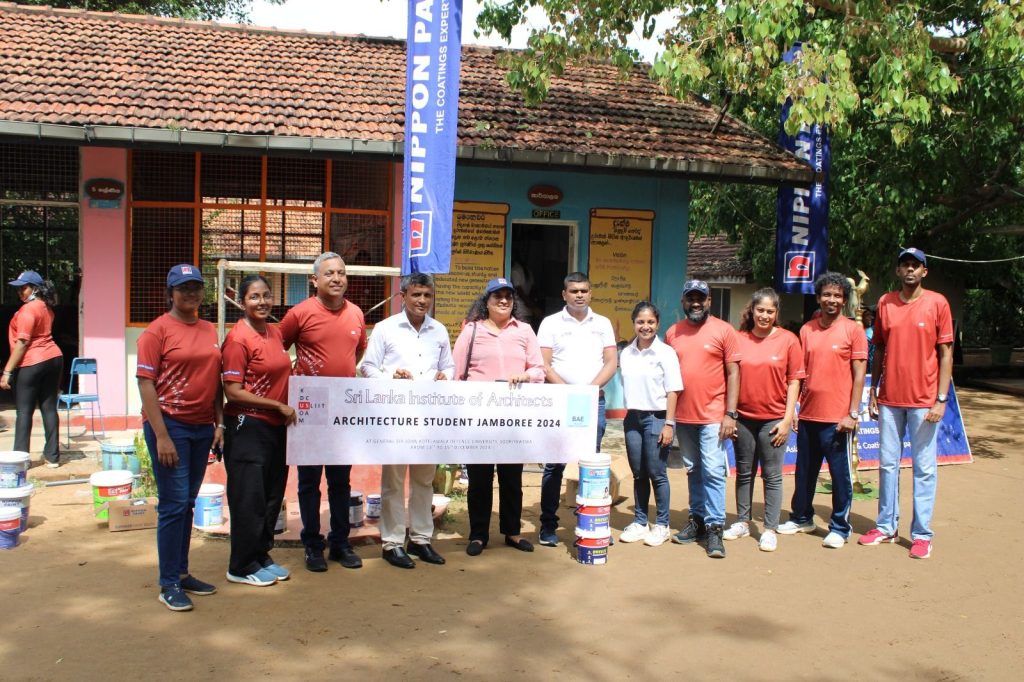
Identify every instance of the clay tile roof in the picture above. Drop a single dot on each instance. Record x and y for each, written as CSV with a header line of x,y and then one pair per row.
x,y
80,68
712,257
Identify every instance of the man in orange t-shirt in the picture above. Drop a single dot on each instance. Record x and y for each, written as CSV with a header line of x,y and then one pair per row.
x,y
329,334
835,359
913,362
705,417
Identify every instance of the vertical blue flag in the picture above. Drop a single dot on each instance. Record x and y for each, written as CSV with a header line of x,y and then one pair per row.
x,y
801,235
433,56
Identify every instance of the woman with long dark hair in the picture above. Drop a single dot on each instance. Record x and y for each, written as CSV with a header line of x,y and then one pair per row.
x,y
179,383
651,384
36,364
255,368
497,345
770,374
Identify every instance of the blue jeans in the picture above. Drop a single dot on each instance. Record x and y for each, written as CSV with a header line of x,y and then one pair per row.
x,y
817,441
893,422
705,461
551,481
177,487
649,463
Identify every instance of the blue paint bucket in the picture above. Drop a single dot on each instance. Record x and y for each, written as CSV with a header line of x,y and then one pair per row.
x,y
209,506
595,477
19,499
10,527
119,453
593,551
13,468
593,519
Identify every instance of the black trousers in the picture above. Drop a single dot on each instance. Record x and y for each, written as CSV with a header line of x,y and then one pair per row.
x,y
338,491
37,386
254,456
481,499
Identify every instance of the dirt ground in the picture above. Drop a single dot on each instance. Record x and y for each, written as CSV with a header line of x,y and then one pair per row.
x,y
79,602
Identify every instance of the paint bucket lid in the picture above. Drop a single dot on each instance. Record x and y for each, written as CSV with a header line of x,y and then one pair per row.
x,y
211,489
112,477
13,457
16,493
596,460
593,501
593,535
118,445
9,513
373,496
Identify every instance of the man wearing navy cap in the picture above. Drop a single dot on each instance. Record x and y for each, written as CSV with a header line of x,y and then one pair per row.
x,y
709,356
910,382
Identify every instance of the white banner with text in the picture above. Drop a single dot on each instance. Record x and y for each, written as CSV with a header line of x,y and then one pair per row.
x,y
382,421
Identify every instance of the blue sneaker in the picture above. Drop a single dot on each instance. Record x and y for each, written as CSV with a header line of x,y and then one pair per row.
x,y
174,598
193,585
261,578
279,572
548,538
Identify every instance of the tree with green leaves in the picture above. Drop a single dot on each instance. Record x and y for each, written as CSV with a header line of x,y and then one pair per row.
x,y
237,10
924,101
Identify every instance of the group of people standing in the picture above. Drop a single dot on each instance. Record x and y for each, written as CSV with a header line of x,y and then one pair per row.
x,y
705,384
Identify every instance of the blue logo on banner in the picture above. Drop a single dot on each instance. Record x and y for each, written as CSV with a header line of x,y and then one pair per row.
x,y
801,235
578,409
433,56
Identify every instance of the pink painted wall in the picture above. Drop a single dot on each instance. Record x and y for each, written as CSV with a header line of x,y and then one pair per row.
x,y
104,271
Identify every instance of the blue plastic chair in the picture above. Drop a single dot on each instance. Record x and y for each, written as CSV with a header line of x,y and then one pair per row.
x,y
81,367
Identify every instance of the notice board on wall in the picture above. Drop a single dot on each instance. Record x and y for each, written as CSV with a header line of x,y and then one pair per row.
x,y
478,256
620,264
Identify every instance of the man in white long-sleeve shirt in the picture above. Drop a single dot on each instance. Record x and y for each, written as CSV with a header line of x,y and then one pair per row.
x,y
409,345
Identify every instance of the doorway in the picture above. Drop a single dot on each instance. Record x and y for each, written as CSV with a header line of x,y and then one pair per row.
x,y
542,254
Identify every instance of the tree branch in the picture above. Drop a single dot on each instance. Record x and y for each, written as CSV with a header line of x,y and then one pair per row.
x,y
952,45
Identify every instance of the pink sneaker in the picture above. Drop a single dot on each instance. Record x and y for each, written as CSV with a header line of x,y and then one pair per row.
x,y
875,537
921,549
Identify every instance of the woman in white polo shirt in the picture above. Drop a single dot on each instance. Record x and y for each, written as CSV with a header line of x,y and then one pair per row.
x,y
651,384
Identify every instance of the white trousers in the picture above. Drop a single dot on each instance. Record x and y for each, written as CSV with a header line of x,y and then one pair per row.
x,y
392,503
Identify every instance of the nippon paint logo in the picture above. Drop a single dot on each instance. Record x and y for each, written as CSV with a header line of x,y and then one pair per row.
x,y
420,224
314,406
799,267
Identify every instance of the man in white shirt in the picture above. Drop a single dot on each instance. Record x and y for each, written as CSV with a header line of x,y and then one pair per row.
x,y
409,345
578,347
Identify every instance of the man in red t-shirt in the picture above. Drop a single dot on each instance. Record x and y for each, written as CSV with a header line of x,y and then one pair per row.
x,y
835,359
705,417
913,362
329,334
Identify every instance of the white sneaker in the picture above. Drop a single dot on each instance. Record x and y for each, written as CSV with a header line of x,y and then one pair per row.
x,y
740,529
634,532
769,541
792,528
833,540
657,536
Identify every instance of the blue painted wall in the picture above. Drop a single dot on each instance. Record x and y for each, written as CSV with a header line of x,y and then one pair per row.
x,y
669,198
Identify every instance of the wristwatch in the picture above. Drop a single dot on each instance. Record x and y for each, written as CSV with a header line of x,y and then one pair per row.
x,y
734,414
854,414
942,398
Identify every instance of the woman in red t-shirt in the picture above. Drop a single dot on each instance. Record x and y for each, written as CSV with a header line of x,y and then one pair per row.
x,y
255,369
35,365
179,383
770,374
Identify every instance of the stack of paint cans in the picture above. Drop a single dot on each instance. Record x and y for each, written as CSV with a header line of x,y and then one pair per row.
x,y
593,511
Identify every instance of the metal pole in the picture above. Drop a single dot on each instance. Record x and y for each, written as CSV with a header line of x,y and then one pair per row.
x,y
221,312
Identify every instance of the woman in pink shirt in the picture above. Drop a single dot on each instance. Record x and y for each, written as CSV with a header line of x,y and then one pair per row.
x,y
496,345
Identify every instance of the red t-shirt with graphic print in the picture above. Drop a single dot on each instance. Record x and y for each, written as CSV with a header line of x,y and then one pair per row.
x,y
261,364
326,341
183,360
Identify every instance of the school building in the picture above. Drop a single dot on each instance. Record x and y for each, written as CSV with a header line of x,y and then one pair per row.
x,y
129,144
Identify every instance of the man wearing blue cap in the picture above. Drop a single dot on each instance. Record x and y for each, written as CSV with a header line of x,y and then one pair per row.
x,y
709,356
910,382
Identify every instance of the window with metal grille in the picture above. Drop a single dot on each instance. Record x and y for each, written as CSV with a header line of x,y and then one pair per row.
x,y
39,217
257,208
